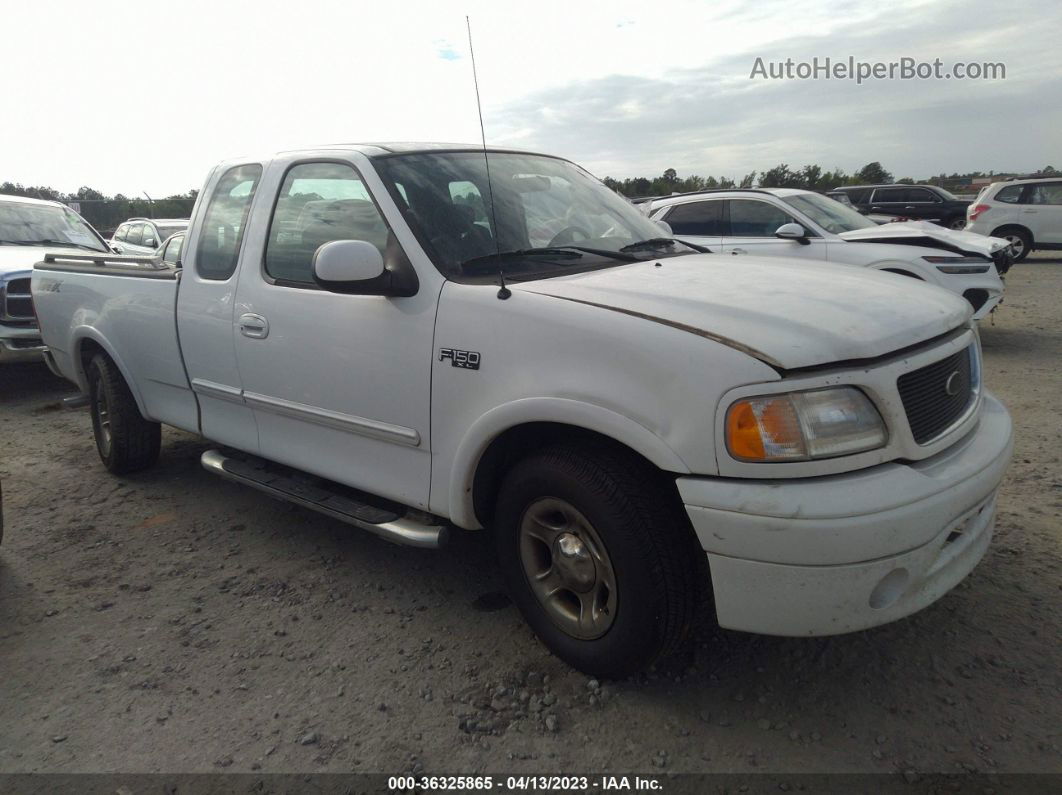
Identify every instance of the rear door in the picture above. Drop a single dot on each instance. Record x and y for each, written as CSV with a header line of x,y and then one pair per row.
x,y
699,222
890,202
340,384
1043,212
750,229
206,303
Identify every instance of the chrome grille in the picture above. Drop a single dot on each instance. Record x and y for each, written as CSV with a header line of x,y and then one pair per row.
x,y
16,305
936,396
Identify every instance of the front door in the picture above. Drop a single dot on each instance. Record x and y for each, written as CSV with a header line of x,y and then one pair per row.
x,y
339,384
751,230
699,222
1043,212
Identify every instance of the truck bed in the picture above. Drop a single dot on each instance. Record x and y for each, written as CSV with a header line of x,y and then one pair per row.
x,y
87,301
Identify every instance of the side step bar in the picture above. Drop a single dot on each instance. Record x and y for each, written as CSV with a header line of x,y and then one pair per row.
x,y
395,523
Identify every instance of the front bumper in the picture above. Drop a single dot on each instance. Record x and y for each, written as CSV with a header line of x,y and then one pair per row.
x,y
823,556
20,344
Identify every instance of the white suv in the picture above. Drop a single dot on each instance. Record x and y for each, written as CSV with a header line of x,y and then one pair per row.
x,y
791,223
1027,212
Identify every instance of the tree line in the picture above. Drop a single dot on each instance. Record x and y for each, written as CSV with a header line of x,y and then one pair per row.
x,y
106,212
811,177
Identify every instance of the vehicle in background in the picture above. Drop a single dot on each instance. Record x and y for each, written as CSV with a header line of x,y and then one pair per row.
x,y
1026,212
26,226
168,254
916,202
142,236
624,411
801,224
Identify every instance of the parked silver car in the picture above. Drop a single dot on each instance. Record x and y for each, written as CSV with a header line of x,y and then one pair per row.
x,y
142,236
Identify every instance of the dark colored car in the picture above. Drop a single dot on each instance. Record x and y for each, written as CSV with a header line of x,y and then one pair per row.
x,y
917,202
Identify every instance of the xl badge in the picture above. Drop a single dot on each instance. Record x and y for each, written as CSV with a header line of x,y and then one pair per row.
x,y
468,360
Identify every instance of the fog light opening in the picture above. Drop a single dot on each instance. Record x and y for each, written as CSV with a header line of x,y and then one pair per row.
x,y
889,590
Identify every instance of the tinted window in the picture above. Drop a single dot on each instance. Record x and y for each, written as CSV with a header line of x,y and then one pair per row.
x,y
134,234
921,195
859,195
890,195
319,203
223,225
1010,194
172,254
750,218
697,218
1048,193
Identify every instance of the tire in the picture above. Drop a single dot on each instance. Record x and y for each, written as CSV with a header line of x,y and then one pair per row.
x,y
629,522
125,440
1020,241
958,223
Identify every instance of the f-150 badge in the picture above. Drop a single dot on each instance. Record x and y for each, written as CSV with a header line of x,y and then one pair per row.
x,y
468,360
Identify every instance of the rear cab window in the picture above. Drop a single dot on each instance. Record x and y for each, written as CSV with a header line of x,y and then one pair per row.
x,y
225,222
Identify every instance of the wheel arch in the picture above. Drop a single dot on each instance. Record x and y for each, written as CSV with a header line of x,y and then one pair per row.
x,y
504,434
1002,229
87,343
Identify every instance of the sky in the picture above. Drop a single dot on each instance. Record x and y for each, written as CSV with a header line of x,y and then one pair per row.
x,y
130,98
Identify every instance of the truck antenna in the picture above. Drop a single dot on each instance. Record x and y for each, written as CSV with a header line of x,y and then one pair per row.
x,y
503,291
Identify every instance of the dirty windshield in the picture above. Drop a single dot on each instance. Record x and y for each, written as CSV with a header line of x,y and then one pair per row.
x,y
25,224
549,216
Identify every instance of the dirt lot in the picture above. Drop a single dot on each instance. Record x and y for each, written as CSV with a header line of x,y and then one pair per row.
x,y
175,622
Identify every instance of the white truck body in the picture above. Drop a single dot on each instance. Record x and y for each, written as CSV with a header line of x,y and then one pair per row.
x,y
379,393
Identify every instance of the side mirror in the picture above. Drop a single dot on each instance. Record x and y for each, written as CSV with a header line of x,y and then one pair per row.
x,y
792,231
116,248
665,226
356,267
150,243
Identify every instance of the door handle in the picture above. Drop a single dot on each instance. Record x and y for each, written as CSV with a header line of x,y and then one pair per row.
x,y
254,326
738,251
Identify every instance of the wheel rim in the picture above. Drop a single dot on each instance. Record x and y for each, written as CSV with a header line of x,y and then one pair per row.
x,y
568,568
1017,245
103,420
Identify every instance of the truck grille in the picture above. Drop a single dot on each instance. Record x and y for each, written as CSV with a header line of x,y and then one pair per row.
x,y
16,305
937,395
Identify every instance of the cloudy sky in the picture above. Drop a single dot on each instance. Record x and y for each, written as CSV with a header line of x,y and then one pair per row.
x,y
146,97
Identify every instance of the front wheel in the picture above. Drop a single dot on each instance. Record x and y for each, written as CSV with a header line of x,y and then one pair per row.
x,y
125,440
1020,243
599,557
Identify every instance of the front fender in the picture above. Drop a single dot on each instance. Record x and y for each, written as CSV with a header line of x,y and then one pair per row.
x,y
563,411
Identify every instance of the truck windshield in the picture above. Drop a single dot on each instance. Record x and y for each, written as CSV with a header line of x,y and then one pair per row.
x,y
544,209
23,224
828,213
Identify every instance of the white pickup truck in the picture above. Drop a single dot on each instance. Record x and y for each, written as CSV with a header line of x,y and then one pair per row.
x,y
388,335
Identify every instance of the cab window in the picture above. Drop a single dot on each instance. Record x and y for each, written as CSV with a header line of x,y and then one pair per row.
x,y
704,219
319,203
751,218
225,221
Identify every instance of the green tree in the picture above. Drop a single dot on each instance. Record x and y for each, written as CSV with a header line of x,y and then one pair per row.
x,y
873,173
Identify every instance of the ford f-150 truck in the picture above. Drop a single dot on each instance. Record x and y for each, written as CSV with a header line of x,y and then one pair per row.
x,y
414,337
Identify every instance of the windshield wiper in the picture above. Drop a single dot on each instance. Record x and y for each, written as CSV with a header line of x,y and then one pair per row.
x,y
664,242
523,252
64,243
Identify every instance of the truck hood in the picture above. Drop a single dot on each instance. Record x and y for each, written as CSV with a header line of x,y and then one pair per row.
x,y
923,233
23,258
786,313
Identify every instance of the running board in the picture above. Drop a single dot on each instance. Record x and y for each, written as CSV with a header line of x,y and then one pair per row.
x,y
388,520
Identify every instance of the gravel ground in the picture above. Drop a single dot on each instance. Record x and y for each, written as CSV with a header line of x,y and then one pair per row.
x,y
175,622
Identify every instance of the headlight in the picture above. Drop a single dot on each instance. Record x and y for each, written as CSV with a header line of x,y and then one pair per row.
x,y
798,426
960,264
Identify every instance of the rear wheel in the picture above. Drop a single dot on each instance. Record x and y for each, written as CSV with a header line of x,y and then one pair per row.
x,y
599,557
125,440
958,223
1020,242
